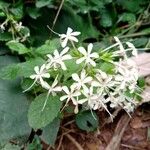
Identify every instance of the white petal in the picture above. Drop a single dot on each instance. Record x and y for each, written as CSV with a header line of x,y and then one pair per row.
x,y
46,75
82,101
83,74
58,88
72,38
85,89
63,66
82,51
87,79
75,77
80,60
63,98
42,68
94,55
36,69
45,85
92,62
56,54
96,84
90,46
55,82
49,56
69,30
64,42
66,57
74,101
65,88
33,76
64,51
77,93
75,33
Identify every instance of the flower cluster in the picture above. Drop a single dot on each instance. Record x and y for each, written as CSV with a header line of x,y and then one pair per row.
x,y
15,28
91,87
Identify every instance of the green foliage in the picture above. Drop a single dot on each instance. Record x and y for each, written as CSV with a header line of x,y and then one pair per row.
x,y
39,117
42,3
87,120
13,108
36,144
49,133
18,47
10,146
20,69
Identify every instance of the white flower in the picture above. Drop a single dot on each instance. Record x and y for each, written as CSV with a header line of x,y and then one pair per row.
x,y
18,26
87,55
103,82
58,59
40,73
134,50
2,27
122,50
82,80
70,95
69,36
127,74
51,89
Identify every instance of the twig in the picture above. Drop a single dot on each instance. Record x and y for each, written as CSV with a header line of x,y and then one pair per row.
x,y
119,131
134,35
78,146
60,142
57,14
130,146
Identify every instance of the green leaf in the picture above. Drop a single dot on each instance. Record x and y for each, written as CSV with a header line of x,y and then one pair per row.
x,y
128,17
33,12
38,117
48,47
20,69
5,36
17,10
106,19
13,107
87,121
42,3
18,47
107,67
49,133
10,146
36,144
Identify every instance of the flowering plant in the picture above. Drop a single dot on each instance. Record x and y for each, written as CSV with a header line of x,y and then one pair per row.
x,y
91,85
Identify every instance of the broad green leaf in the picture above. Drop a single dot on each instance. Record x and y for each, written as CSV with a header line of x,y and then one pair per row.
x,y
107,67
106,19
36,144
17,10
10,146
20,69
49,133
33,12
87,121
5,36
48,47
13,107
42,3
18,47
39,117
128,17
